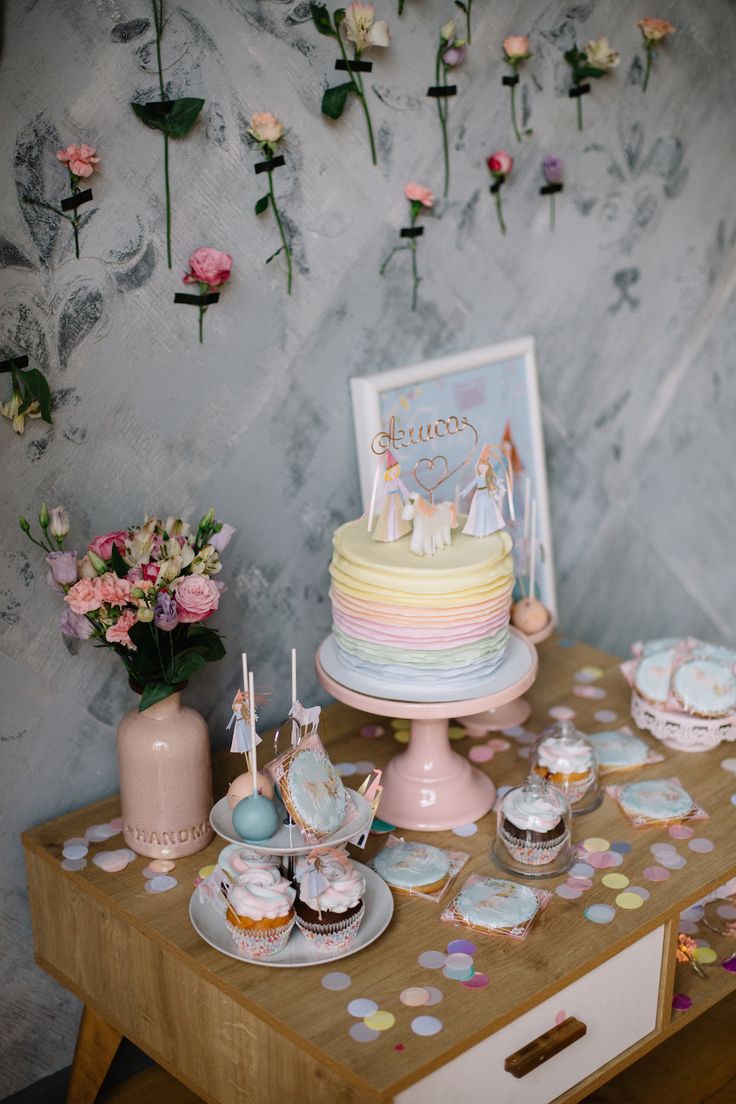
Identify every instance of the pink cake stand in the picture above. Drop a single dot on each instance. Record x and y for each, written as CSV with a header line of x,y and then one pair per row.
x,y
429,787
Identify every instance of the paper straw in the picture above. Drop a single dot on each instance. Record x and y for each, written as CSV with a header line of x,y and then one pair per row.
x,y
510,480
245,683
533,550
293,675
527,492
373,499
252,698
457,499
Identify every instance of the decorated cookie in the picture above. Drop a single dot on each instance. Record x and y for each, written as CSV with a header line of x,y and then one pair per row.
x,y
493,903
705,688
663,644
715,651
311,788
412,867
619,750
659,800
652,676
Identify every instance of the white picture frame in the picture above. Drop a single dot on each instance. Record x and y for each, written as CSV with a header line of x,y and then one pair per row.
x,y
494,387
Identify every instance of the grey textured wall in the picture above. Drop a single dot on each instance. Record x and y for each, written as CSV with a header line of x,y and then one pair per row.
x,y
631,302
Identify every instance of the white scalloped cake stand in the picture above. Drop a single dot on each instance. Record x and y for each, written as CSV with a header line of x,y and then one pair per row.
x,y
429,787
679,731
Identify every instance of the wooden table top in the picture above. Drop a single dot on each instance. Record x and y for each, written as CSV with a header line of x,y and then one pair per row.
x,y
560,948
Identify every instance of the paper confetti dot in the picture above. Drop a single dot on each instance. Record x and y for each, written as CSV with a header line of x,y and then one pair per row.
x,y
372,731
458,960
400,722
524,753
380,1020
595,843
381,827
600,914
705,955
346,770
73,864
117,824
681,831
568,893
701,846
161,866
594,693
132,855
733,799
673,862
361,1007
98,833
694,913
432,960
726,912
656,873
161,883
75,850
478,981
426,1025
365,766
110,861
515,730
148,873
465,830
688,927
621,847
681,1002
457,974
455,732
560,1018
498,744
435,995
206,871
615,881
562,713
414,996
603,860
76,841
577,881
482,754
461,946
336,981
629,901
605,716
589,673
640,892
359,1033
729,765
582,870
729,964
663,849
402,736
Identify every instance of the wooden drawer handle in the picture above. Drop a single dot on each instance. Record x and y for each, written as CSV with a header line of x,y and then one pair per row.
x,y
544,1047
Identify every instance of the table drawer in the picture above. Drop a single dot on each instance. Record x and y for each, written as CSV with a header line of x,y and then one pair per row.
x,y
618,1004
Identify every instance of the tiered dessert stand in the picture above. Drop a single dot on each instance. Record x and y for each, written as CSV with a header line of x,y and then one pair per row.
x,y
208,919
429,787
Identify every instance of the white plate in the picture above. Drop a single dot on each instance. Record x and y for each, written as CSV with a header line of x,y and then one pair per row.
x,y
210,924
287,839
516,664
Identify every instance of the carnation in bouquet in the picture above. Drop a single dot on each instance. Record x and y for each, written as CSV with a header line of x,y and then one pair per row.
x,y
144,592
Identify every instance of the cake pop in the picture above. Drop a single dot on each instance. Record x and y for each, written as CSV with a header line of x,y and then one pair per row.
x,y
254,817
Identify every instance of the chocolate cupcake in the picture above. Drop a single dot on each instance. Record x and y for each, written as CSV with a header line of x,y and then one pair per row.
x,y
533,822
329,907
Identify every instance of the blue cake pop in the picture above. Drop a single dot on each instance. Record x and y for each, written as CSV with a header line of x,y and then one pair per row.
x,y
255,818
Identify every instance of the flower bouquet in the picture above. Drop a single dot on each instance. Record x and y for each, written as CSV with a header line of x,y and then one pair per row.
x,y
143,592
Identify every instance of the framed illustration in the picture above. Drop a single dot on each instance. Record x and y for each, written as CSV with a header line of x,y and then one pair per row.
x,y
428,411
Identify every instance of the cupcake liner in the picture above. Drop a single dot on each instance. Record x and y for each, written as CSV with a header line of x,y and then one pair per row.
x,y
261,943
533,853
335,936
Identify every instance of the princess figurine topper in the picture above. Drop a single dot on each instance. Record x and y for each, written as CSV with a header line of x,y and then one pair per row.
x,y
391,526
485,515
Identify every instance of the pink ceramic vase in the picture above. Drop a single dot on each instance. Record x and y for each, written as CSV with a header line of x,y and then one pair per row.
x,y
165,780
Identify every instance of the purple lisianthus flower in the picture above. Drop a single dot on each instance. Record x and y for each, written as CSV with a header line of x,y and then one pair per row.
x,y
62,569
553,169
455,54
75,624
165,616
222,538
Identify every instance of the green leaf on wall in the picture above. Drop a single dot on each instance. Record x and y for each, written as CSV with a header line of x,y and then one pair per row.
x,y
261,205
177,121
334,99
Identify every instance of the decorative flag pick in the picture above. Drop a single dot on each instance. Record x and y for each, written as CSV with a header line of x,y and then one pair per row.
x,y
372,507
533,550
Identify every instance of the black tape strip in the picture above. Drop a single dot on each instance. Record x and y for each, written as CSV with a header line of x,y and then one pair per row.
x,y
14,362
412,231
495,186
272,163
72,202
550,189
439,90
354,66
197,300
580,90
509,81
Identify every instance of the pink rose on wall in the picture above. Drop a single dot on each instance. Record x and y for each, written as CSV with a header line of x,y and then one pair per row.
x,y
83,597
210,269
515,50
500,165
419,198
113,590
197,598
81,160
103,545
419,194
653,32
119,632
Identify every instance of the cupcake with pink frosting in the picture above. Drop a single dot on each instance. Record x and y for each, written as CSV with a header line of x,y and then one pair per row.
x,y
330,907
260,912
237,858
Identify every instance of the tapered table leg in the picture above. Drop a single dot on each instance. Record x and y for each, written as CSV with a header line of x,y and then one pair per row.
x,y
97,1043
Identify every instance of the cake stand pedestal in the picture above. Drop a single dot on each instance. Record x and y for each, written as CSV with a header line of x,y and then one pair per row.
x,y
429,787
514,713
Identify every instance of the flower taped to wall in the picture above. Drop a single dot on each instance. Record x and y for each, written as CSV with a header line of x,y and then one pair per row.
x,y
451,51
209,269
268,132
515,50
355,24
144,592
81,161
594,61
30,396
420,198
653,31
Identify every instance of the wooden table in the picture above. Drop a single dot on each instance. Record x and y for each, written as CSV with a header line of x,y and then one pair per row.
x,y
237,1032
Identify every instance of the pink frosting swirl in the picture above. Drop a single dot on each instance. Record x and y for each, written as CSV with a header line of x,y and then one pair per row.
x,y
345,886
261,893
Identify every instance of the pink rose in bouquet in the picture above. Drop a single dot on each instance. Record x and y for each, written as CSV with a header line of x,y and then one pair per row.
x,y
103,545
197,598
83,596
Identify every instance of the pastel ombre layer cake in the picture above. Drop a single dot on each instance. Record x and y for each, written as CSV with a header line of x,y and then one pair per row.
x,y
421,618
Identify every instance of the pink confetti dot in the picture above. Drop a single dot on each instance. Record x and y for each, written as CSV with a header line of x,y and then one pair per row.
x,y
605,716
603,860
577,881
681,831
498,744
372,731
482,754
478,981
413,997
656,873
560,1018
161,866
568,893
435,995
432,960
594,693
117,824
562,713
701,846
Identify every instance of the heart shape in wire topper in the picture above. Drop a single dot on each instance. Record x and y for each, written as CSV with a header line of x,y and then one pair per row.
x,y
426,465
